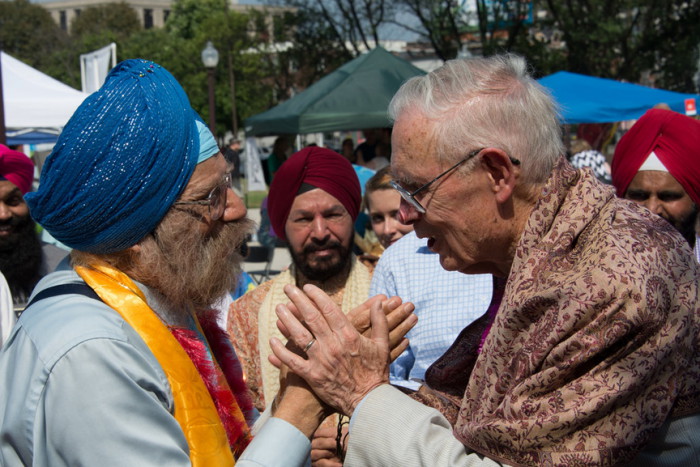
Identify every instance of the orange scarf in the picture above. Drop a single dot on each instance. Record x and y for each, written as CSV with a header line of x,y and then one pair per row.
x,y
194,410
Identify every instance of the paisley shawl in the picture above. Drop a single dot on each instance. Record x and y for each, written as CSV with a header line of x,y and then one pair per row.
x,y
594,345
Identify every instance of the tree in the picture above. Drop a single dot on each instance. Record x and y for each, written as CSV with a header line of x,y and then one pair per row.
x,y
119,19
628,38
313,50
245,76
240,75
502,23
357,21
441,23
28,33
450,26
315,37
187,16
354,25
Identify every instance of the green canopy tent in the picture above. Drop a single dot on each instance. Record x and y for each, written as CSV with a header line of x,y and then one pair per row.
x,y
353,97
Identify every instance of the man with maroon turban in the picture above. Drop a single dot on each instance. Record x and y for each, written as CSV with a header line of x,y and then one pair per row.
x,y
656,164
24,259
313,203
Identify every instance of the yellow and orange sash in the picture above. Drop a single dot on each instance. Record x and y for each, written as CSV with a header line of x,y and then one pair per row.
x,y
195,410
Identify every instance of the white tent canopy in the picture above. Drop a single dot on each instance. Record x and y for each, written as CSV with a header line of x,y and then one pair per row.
x,y
35,103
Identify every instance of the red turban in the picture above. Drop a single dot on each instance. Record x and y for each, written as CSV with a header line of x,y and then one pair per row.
x,y
673,138
319,167
16,168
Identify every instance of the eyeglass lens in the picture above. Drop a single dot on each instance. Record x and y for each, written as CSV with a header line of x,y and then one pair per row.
x,y
408,197
217,202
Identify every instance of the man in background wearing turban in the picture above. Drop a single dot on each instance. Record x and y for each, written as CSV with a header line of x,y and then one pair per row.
x,y
313,203
119,360
24,259
656,164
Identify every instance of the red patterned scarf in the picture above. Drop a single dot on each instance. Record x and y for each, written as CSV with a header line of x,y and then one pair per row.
x,y
223,377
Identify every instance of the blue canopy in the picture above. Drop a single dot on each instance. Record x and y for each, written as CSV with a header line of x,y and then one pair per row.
x,y
587,99
31,136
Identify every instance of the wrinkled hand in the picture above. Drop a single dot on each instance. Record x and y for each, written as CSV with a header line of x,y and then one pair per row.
x,y
296,403
323,447
342,366
399,316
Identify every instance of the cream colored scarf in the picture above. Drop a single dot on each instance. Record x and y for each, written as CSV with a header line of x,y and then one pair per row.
x,y
355,293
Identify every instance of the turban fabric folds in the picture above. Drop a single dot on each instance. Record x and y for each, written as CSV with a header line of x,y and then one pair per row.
x,y
123,158
675,141
16,168
319,167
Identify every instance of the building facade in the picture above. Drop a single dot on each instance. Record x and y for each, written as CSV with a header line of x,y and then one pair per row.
x,y
151,13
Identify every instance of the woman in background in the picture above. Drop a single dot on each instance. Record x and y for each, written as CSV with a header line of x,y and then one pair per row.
x,y
382,202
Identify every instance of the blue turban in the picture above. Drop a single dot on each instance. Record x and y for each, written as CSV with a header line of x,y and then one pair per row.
x,y
123,158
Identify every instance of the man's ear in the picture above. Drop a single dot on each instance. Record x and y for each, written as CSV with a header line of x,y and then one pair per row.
x,y
501,171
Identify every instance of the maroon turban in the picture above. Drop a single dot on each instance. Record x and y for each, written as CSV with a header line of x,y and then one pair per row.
x,y
319,167
16,168
674,138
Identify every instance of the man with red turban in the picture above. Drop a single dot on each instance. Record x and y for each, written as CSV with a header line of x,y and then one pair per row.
x,y
24,259
313,203
656,164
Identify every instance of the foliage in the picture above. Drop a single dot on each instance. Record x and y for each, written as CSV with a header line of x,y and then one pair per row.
x,y
351,25
501,24
626,38
28,33
314,51
117,19
157,45
357,21
263,62
440,23
187,16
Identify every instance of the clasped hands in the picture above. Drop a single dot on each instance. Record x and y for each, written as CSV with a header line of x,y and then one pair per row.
x,y
346,356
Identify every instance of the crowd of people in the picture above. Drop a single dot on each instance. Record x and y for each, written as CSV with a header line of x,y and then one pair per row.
x,y
518,309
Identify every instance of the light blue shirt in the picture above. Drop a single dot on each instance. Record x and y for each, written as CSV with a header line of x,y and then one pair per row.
x,y
81,387
446,302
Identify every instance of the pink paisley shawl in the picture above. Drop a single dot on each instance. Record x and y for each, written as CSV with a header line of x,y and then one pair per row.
x,y
595,343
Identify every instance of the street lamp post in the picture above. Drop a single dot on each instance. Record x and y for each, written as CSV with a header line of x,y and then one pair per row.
x,y
210,58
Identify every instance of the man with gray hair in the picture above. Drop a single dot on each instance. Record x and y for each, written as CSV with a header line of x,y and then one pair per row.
x,y
588,354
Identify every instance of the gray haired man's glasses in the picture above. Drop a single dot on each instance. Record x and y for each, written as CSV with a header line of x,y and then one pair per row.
x,y
410,197
216,199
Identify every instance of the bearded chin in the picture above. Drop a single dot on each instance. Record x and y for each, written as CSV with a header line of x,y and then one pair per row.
x,y
686,227
322,270
191,270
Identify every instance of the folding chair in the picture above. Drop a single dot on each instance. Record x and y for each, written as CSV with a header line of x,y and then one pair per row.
x,y
258,254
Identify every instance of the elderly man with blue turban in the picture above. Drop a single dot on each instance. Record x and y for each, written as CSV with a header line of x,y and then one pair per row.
x,y
119,361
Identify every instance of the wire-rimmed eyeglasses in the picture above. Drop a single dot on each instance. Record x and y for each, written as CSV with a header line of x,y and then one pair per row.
x,y
410,197
216,199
